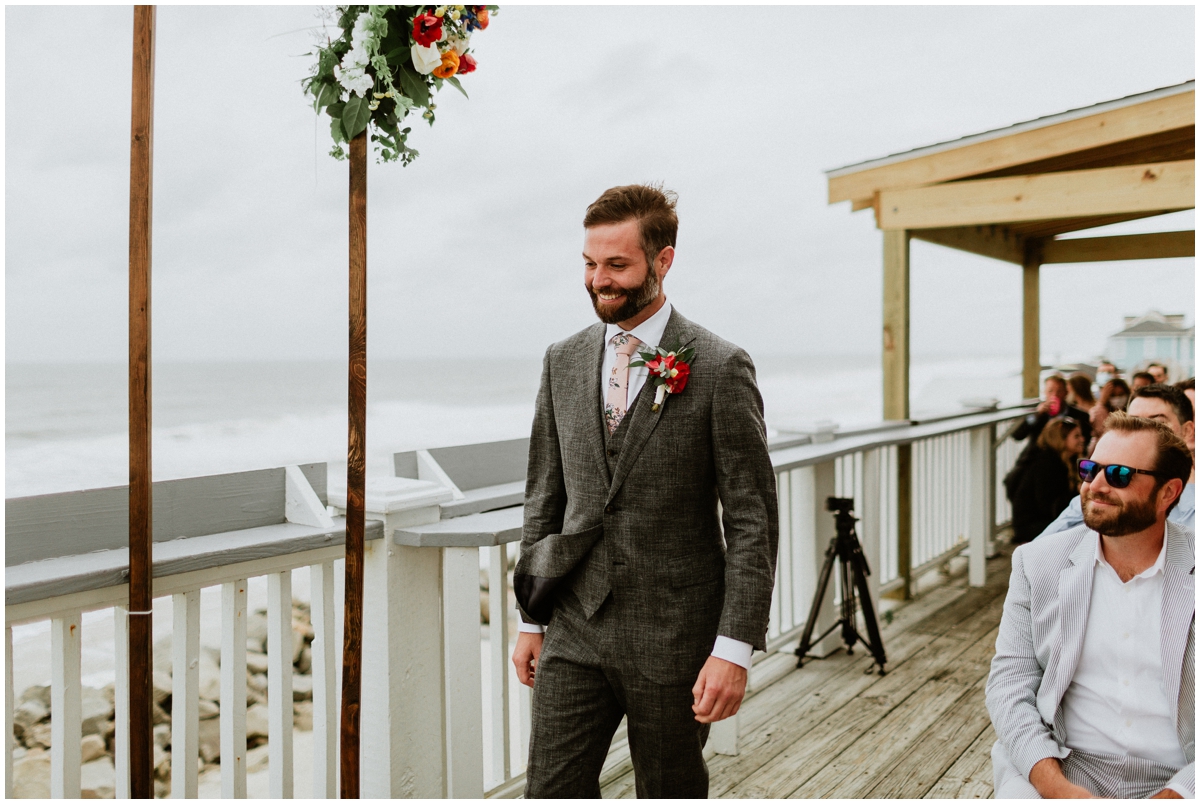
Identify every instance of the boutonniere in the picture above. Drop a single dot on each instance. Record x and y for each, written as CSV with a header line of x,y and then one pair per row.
x,y
669,369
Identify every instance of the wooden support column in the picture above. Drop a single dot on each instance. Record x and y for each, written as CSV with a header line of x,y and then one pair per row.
x,y
356,472
895,384
1031,321
141,180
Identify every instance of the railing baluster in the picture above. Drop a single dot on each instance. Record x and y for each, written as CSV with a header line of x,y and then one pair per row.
x,y
233,689
498,660
121,699
464,687
66,704
526,706
8,712
185,694
324,655
279,683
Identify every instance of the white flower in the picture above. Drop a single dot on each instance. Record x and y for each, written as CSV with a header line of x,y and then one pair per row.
x,y
459,43
426,59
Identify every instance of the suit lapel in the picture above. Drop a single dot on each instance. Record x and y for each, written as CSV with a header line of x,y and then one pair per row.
x,y
1178,609
593,358
678,333
1074,601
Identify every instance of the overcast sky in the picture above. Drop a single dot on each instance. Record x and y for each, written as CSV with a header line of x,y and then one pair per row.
x,y
476,246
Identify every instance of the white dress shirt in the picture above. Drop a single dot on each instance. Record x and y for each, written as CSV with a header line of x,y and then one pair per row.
x,y
1117,701
650,333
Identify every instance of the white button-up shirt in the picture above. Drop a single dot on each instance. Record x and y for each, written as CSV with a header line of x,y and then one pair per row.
x,y
1117,701
650,333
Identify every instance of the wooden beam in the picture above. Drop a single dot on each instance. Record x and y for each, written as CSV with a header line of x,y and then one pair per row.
x,y
1152,246
141,506
1003,151
1031,323
895,324
1103,191
996,242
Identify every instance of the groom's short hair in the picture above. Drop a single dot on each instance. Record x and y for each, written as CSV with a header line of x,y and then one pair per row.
x,y
651,206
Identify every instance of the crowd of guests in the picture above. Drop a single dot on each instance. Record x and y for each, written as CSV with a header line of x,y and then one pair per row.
x,y
1092,688
1066,426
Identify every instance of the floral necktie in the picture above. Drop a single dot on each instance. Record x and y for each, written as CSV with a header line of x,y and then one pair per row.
x,y
616,398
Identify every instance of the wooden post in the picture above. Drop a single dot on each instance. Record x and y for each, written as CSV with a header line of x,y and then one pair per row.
x,y
355,469
141,159
1031,321
895,385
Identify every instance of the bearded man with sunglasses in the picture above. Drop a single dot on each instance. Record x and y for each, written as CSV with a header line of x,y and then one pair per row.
x,y
1092,689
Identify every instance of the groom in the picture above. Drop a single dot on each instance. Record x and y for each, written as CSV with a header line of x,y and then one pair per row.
x,y
648,552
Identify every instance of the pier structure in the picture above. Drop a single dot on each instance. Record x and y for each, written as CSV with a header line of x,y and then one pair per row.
x,y
1017,195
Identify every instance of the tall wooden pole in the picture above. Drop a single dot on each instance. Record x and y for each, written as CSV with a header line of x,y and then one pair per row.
x,y
141,153
895,385
1031,345
355,469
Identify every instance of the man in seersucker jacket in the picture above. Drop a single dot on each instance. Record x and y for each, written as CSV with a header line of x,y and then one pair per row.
x,y
651,525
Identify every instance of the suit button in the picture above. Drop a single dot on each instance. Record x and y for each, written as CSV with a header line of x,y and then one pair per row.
x,y
610,509
612,453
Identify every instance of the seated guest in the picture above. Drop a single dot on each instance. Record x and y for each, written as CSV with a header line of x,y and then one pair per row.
x,y
1188,387
1158,371
1114,396
1141,379
1053,404
1167,404
1092,688
1048,482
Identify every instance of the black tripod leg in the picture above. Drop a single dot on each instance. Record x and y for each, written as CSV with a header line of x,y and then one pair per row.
x,y
849,608
815,608
875,640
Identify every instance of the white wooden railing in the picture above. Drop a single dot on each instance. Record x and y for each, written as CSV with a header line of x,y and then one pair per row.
x,y
439,691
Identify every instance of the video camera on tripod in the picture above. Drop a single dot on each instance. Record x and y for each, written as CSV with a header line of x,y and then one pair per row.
x,y
845,548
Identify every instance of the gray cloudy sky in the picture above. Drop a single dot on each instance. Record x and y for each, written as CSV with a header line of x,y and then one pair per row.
x,y
476,246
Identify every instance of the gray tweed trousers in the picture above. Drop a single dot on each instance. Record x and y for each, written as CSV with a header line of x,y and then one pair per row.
x,y
585,683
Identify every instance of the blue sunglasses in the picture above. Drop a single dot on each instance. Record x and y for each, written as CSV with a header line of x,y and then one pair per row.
x,y
1115,474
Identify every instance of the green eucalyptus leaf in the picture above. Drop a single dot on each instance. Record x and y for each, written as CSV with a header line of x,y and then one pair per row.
x,y
335,130
327,94
414,86
355,116
454,83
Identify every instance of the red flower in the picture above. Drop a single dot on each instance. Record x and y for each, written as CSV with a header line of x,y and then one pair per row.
x,y
677,383
427,29
466,64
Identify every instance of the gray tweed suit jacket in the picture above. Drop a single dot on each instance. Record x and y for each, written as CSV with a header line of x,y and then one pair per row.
x,y
1037,652
649,531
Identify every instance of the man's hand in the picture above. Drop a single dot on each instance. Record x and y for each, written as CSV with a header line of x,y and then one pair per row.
x,y
525,656
1048,778
1166,793
719,690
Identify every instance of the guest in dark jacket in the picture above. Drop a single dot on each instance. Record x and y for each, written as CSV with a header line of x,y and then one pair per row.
x,y
1049,481
1053,404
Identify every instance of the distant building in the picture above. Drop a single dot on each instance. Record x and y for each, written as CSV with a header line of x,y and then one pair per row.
x,y
1155,338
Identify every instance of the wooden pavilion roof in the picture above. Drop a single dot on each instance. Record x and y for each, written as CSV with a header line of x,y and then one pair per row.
x,y
1007,192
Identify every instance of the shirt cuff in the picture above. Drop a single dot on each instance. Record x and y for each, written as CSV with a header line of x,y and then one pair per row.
x,y
733,651
530,628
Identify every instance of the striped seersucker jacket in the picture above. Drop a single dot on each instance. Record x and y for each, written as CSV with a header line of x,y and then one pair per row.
x,y
1038,648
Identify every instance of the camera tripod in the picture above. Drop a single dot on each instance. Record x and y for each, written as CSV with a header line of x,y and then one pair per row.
x,y
845,548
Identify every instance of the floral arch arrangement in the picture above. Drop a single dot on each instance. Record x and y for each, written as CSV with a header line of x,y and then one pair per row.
x,y
386,62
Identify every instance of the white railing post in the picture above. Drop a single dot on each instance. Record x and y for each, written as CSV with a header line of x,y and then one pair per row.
x,y
279,683
464,692
233,689
403,728
498,661
8,713
983,494
185,694
811,486
121,699
870,525
324,658
66,733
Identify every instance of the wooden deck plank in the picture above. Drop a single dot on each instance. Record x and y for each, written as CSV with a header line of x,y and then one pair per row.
x,y
971,775
802,754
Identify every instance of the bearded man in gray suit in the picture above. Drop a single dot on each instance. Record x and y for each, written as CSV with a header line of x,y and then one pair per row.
x,y
651,524
1093,686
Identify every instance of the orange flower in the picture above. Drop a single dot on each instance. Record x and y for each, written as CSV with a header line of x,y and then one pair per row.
x,y
449,65
482,15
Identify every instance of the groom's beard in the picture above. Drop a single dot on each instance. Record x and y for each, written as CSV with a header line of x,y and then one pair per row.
x,y
636,300
1128,518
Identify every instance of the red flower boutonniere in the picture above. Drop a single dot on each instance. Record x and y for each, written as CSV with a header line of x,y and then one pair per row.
x,y
669,370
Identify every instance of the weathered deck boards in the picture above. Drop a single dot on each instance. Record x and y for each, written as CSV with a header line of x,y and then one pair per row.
x,y
834,730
